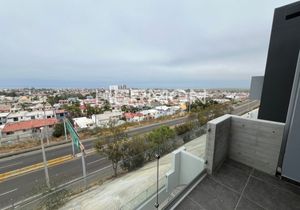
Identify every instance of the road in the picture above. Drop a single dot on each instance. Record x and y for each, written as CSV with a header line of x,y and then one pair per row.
x,y
21,187
27,159
27,185
244,108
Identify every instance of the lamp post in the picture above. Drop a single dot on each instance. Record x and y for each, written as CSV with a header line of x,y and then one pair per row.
x,y
44,159
157,156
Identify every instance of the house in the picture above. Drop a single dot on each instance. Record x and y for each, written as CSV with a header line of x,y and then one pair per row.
x,y
150,114
4,108
30,128
133,117
16,117
83,122
3,118
167,110
103,120
25,115
60,114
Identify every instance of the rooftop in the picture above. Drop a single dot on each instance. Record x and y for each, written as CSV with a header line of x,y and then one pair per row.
x,y
12,127
4,114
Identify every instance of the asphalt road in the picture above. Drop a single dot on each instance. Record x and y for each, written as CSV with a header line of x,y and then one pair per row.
x,y
246,107
22,187
27,159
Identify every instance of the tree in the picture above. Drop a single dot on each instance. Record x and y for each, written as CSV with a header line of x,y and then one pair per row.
x,y
113,151
73,109
112,148
160,140
106,106
58,130
184,128
92,110
133,153
117,132
54,99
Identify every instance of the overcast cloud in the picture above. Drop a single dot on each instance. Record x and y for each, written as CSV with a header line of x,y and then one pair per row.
x,y
141,43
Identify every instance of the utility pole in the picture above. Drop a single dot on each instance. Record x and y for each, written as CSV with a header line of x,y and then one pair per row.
x,y
47,134
83,164
189,101
44,160
204,96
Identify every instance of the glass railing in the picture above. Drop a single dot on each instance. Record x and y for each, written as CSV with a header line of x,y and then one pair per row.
x,y
144,195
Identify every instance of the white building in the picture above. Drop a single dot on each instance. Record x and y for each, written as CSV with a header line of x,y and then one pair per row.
x,y
83,122
3,118
25,115
103,120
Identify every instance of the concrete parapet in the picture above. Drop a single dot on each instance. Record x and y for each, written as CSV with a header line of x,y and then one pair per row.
x,y
253,142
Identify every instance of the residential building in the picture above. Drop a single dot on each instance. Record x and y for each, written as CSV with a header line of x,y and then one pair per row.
x,y
3,118
134,117
83,122
103,120
26,129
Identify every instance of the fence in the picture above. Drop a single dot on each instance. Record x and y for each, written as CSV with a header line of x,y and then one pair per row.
x,y
56,197
23,137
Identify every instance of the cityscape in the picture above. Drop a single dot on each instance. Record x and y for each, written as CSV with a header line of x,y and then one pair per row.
x,y
150,105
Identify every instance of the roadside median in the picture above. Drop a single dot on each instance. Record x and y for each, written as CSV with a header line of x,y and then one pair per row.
x,y
34,167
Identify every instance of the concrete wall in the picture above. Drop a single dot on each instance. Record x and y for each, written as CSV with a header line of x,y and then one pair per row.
x,y
255,143
256,87
186,167
217,142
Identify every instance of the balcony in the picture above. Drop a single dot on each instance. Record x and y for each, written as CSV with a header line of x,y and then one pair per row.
x,y
242,156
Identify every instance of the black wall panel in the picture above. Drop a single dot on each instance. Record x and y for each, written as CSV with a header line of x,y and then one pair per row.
x,y
281,63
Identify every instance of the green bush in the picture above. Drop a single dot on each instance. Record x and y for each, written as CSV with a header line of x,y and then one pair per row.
x,y
58,130
184,128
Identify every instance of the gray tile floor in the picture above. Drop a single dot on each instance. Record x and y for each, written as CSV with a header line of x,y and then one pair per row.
x,y
236,186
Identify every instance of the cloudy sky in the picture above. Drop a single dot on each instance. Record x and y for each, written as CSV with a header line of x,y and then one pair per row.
x,y
141,43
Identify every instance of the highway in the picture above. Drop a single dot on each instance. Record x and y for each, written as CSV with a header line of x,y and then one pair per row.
x,y
30,158
20,187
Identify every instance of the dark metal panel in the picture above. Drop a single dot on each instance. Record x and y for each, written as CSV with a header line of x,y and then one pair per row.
x,y
281,63
291,139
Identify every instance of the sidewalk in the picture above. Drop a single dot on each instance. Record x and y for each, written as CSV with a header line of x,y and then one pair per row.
x,y
116,193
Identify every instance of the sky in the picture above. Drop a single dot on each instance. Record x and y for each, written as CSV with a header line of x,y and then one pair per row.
x,y
141,43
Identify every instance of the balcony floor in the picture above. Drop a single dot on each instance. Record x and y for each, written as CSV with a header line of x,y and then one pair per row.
x,y
237,186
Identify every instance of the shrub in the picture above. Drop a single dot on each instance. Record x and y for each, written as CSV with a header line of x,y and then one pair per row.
x,y
58,130
184,128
